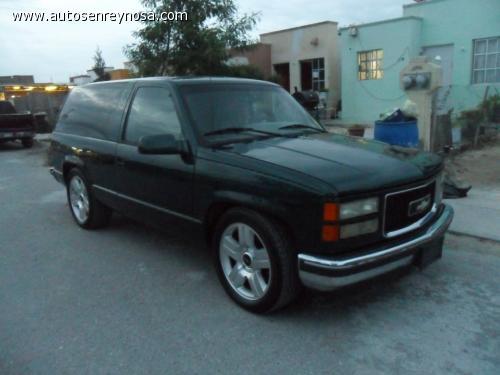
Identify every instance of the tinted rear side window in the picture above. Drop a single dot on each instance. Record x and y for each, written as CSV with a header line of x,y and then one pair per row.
x,y
95,111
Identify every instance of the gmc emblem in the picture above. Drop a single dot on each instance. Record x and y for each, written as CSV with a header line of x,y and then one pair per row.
x,y
418,206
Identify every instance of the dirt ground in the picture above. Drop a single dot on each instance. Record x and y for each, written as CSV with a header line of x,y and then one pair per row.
x,y
479,167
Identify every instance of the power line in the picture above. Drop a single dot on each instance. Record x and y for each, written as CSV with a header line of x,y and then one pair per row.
x,y
379,98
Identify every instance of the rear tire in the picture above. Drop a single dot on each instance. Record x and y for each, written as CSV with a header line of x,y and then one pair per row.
x,y
87,211
255,261
27,142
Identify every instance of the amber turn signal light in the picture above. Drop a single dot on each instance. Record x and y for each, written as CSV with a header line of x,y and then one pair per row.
x,y
330,233
330,212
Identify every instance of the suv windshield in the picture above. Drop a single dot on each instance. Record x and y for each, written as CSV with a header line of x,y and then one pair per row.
x,y
254,109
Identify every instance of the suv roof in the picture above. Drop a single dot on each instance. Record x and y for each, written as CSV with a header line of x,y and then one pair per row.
x,y
190,79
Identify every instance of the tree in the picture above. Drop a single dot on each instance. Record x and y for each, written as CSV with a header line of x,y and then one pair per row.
x,y
196,46
99,65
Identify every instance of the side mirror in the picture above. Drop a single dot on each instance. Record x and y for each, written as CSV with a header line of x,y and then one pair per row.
x,y
162,144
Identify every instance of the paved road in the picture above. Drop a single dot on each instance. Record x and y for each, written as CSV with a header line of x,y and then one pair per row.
x,y
478,215
131,299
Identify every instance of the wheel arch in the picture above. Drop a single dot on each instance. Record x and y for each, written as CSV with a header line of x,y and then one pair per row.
x,y
263,206
69,163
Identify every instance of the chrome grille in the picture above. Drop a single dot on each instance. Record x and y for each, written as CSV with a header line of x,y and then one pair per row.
x,y
406,207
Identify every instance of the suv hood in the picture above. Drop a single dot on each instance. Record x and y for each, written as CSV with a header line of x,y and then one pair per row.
x,y
347,164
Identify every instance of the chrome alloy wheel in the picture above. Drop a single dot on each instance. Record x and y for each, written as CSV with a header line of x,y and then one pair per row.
x,y
79,199
245,261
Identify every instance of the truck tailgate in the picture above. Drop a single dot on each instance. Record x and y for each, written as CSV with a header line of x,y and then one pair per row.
x,y
17,122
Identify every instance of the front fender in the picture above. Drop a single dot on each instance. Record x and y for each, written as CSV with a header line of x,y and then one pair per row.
x,y
255,202
299,216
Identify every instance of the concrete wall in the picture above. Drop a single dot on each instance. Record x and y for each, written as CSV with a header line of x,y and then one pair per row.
x,y
363,101
308,42
459,22
426,24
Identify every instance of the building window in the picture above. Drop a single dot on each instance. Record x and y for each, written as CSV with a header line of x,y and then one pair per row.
x,y
486,64
370,64
318,74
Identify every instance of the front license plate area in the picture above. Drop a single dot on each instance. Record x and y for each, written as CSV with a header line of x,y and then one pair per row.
x,y
429,253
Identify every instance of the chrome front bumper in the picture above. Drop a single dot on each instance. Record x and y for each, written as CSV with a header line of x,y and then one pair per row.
x,y
329,273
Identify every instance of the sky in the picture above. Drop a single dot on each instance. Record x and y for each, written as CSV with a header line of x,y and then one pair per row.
x,y
53,52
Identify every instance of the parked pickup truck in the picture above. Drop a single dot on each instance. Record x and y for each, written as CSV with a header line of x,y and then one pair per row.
x,y
284,203
16,126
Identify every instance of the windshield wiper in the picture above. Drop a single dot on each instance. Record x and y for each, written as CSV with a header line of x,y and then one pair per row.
x,y
239,130
302,126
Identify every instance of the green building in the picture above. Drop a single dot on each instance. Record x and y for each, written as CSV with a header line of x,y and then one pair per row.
x,y
463,36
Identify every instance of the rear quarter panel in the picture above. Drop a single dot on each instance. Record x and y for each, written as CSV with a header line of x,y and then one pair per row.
x,y
85,153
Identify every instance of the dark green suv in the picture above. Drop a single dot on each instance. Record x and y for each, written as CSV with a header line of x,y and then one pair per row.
x,y
283,202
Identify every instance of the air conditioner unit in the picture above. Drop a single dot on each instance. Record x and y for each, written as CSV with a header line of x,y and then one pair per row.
x,y
353,31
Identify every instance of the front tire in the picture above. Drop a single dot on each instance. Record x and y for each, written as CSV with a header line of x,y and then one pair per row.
x,y
254,260
87,211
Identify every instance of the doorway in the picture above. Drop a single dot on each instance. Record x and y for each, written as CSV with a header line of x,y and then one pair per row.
x,y
283,73
312,74
306,75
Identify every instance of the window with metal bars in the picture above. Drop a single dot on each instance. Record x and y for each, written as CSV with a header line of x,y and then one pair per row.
x,y
486,60
370,64
318,74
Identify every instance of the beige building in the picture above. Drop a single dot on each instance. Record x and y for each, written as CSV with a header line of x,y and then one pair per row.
x,y
307,57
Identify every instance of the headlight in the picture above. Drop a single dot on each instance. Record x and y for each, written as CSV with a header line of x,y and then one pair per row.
x,y
332,230
358,208
438,192
357,229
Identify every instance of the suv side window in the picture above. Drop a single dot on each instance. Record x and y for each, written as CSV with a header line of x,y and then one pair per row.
x,y
152,112
94,110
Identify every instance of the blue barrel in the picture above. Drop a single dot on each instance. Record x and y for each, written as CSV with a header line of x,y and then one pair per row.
x,y
397,133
